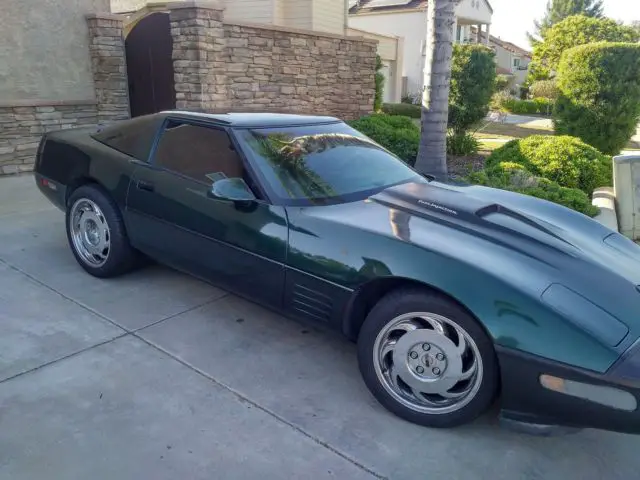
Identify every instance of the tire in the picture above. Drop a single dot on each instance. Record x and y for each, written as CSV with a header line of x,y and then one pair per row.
x,y
91,206
427,359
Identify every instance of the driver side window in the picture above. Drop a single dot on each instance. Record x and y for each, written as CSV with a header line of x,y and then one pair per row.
x,y
202,153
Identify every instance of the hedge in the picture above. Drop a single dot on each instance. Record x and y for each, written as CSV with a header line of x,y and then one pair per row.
x,y
571,32
565,160
544,89
379,79
523,107
599,98
515,178
473,82
398,134
519,166
405,109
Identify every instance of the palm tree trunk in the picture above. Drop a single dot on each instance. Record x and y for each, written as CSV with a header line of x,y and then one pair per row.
x,y
432,154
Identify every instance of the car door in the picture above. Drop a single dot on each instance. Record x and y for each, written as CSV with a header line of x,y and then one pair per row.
x,y
175,218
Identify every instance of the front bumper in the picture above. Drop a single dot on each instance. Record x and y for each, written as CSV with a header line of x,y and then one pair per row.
x,y
526,402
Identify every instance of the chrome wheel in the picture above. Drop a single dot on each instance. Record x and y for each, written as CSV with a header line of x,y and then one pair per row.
x,y
89,232
428,363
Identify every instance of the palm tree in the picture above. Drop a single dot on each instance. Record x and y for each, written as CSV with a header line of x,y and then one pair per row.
x,y
432,154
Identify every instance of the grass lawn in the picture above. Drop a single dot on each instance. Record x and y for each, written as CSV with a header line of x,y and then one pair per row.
x,y
494,130
489,145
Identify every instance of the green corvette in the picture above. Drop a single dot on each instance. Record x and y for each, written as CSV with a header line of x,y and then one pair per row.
x,y
457,296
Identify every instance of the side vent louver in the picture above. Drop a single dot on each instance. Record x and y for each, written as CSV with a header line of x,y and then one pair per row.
x,y
312,303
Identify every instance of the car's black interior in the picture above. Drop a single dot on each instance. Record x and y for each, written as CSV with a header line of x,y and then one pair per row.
x,y
198,151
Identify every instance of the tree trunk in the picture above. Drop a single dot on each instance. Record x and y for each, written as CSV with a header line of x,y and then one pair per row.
x,y
432,154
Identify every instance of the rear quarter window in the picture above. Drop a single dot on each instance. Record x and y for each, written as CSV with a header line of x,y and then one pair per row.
x,y
132,137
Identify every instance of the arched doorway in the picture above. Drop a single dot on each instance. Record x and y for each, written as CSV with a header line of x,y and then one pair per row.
x,y
149,49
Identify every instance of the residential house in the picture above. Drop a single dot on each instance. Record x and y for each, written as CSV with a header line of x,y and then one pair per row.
x,y
511,59
328,16
407,20
50,77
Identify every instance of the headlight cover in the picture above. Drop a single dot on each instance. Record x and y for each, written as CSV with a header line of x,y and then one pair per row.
x,y
585,314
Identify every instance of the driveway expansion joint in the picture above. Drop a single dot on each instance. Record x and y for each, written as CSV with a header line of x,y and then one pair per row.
x,y
66,297
64,357
264,409
135,334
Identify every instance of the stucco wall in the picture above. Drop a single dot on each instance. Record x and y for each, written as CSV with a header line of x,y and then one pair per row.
x,y
258,11
413,27
297,14
23,122
503,57
44,49
476,10
329,16
119,6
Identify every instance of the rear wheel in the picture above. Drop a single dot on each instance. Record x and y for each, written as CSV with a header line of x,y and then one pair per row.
x,y
427,360
96,233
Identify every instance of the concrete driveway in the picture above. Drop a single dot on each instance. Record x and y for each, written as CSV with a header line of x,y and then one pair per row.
x,y
159,376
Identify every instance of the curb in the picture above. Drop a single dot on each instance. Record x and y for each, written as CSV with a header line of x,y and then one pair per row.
x,y
605,199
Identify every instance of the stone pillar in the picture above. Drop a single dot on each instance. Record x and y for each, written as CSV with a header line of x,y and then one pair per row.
x,y
198,51
478,31
486,40
109,66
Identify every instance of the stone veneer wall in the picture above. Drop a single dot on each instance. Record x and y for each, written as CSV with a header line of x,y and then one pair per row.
x,y
22,123
109,66
198,63
239,66
21,128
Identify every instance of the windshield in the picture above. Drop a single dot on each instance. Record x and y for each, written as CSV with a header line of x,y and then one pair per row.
x,y
322,164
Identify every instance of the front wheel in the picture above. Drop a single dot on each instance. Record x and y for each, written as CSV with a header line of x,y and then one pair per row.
x,y
427,360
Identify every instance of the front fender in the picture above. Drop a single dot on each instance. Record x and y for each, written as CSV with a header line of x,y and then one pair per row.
x,y
501,286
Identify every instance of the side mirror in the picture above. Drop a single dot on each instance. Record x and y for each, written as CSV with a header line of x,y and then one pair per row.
x,y
234,189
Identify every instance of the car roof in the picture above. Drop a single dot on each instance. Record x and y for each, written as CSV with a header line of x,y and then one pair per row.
x,y
252,119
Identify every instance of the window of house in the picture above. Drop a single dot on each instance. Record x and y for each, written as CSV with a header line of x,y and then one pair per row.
x,y
203,153
516,62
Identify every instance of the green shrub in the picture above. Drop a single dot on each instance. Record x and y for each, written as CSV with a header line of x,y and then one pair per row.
x,y
400,135
565,160
404,109
513,177
599,94
473,80
525,107
502,82
499,100
411,98
521,107
544,105
544,89
379,78
571,32
462,144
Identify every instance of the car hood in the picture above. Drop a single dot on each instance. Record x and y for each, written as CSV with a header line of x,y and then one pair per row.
x,y
522,224
521,242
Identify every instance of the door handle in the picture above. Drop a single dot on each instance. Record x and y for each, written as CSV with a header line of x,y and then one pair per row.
x,y
148,186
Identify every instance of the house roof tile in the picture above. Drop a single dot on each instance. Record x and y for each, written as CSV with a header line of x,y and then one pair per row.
x,y
511,47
